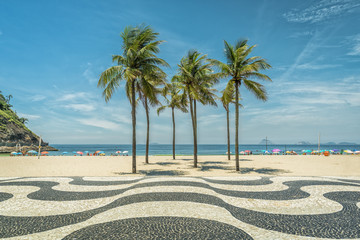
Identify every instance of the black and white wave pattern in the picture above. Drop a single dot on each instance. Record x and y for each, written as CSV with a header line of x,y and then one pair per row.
x,y
180,208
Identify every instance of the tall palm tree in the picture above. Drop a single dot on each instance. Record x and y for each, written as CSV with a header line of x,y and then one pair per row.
x,y
241,69
196,78
176,101
148,89
140,46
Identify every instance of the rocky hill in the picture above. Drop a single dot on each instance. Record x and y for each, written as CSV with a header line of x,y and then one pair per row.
x,y
13,131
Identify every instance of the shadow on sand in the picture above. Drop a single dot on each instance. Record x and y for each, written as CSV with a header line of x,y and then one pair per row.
x,y
269,171
167,163
161,172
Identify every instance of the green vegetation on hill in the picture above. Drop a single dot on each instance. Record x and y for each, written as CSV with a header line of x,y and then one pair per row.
x,y
12,127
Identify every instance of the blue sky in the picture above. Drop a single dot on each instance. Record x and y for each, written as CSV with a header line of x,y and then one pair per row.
x,y
53,52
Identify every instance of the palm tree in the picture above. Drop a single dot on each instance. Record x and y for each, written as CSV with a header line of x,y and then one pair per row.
x,y
227,97
148,91
241,68
196,79
176,101
139,55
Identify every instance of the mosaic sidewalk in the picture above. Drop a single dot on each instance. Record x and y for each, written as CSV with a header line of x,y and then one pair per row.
x,y
180,208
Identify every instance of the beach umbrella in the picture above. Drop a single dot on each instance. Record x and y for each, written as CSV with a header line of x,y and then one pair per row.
x,y
125,151
242,152
348,151
357,152
32,152
13,153
74,152
276,150
44,153
19,153
306,151
80,153
335,150
118,151
65,153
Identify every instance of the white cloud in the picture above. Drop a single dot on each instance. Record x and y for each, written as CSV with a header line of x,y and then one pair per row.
x,y
355,41
321,11
80,107
105,124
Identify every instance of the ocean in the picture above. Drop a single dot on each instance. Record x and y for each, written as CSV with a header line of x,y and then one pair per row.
x,y
187,149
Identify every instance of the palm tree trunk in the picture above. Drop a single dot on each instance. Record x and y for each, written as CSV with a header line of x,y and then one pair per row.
x,y
195,141
147,131
193,125
237,126
228,130
133,116
173,120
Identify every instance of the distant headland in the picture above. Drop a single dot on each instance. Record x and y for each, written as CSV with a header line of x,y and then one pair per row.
x,y
14,135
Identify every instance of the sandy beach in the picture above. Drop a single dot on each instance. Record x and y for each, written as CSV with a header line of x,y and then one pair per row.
x,y
278,165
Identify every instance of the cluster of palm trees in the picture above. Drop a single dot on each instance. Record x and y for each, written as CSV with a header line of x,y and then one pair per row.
x,y
146,82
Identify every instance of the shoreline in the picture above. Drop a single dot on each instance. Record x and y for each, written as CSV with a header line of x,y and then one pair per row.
x,y
208,165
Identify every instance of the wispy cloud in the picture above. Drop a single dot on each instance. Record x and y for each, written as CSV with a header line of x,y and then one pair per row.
x,y
310,66
321,11
309,48
73,96
105,124
80,107
37,98
89,74
355,41
342,92
29,116
302,34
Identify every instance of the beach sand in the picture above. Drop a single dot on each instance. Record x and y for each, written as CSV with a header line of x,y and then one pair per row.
x,y
276,165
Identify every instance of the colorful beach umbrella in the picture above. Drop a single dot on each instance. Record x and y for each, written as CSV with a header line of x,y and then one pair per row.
x,y
276,150
32,152
306,151
44,153
65,153
80,153
118,151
